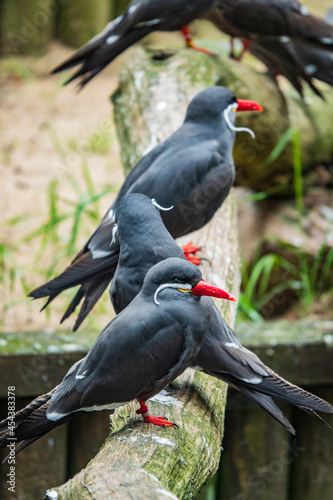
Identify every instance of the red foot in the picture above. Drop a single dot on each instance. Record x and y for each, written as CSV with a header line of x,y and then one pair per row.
x,y
190,42
189,248
161,421
195,260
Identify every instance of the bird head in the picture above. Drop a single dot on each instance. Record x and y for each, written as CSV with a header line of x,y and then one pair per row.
x,y
181,276
135,211
216,102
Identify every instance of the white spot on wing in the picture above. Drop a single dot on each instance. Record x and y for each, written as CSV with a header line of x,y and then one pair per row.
x,y
147,23
232,344
100,254
310,69
112,39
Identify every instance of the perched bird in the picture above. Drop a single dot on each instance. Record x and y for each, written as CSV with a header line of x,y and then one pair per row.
x,y
271,19
141,18
288,39
144,241
137,354
264,20
192,170
296,61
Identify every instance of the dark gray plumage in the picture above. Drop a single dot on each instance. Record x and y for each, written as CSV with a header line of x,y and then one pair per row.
x,y
141,18
221,354
138,353
193,170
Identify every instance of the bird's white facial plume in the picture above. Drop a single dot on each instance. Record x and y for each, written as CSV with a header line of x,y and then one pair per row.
x,y
114,233
154,202
180,286
232,108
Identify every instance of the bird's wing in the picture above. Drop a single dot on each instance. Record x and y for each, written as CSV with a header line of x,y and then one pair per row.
x,y
138,351
194,180
276,18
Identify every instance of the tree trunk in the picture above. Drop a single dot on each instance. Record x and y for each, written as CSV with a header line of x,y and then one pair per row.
x,y
139,461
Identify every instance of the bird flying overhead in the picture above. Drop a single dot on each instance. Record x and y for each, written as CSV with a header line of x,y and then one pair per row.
x,y
192,170
138,353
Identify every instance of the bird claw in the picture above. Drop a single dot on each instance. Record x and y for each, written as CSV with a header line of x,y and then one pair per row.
x,y
160,421
189,250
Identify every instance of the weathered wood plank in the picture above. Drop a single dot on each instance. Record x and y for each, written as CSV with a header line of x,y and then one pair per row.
x,y
256,453
35,362
37,466
300,351
311,470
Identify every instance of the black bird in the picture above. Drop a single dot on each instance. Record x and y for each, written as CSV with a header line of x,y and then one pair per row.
x,y
271,19
296,61
283,35
193,170
141,18
137,354
144,241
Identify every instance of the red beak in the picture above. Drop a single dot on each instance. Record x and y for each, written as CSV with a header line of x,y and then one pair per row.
x,y
245,105
203,288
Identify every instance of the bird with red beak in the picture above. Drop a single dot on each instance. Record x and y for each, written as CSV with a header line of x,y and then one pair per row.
x,y
137,354
191,171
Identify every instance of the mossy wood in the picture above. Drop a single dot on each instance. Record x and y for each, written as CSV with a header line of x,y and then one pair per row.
x,y
154,86
141,461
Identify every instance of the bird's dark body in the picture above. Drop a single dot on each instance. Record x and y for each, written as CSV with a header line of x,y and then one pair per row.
x,y
271,19
221,354
192,170
283,35
138,353
141,18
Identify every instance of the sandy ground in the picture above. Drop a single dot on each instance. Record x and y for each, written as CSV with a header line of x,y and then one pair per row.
x,y
45,135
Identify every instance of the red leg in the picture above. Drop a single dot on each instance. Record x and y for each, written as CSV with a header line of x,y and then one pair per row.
x,y
190,250
189,40
161,421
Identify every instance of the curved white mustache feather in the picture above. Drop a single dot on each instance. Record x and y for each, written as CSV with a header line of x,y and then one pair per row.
x,y
184,286
231,126
154,202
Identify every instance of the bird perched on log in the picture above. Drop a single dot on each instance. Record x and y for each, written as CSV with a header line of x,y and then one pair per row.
x,y
141,18
258,21
289,40
137,354
192,170
145,241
